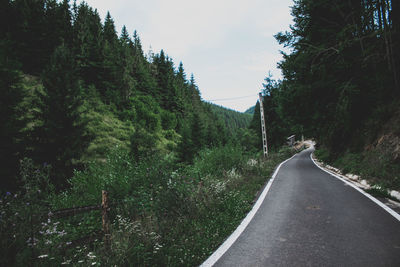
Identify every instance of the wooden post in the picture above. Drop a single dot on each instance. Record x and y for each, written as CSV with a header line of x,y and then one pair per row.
x,y
105,219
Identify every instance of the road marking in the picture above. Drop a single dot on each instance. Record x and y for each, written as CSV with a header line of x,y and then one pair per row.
x,y
239,230
378,202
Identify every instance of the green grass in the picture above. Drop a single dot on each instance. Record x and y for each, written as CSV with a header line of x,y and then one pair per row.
x,y
377,167
162,213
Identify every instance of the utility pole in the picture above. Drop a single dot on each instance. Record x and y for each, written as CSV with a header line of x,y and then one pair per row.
x,y
263,130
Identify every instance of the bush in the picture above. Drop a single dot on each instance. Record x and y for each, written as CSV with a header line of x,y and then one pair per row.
x,y
160,214
219,160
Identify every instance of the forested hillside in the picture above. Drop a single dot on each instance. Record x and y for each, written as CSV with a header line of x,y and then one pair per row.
x,y
250,110
85,110
233,120
72,89
340,83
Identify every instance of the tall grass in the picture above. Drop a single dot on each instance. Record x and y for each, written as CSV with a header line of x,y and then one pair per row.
x,y
162,213
377,167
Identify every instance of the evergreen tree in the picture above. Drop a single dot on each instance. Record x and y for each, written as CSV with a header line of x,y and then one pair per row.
x,y
111,65
146,83
28,34
88,45
186,150
61,139
110,35
198,132
12,93
127,83
341,69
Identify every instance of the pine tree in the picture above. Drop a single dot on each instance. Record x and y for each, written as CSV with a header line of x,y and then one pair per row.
x,y
110,35
186,150
61,139
88,45
28,34
198,132
11,93
111,66
127,84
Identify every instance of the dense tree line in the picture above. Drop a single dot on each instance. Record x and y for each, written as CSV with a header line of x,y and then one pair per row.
x,y
94,89
341,76
232,119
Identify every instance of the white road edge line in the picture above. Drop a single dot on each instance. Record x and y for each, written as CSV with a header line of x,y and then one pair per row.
x,y
239,230
378,202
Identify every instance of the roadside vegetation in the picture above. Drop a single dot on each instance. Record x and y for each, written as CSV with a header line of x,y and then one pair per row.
x,y
162,213
379,169
84,109
341,85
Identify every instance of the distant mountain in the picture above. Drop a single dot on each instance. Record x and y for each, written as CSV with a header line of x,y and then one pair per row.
x,y
250,110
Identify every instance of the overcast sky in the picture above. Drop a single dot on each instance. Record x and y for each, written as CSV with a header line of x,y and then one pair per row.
x,y
227,44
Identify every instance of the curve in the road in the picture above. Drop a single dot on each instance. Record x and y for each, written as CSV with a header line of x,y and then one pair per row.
x,y
310,219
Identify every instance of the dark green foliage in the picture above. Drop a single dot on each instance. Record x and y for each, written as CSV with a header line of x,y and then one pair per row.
x,y
88,41
376,166
143,143
11,93
341,68
103,79
186,148
250,110
184,214
61,139
233,120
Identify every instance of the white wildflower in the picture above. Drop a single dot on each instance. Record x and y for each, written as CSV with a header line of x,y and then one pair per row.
x,y
252,162
90,255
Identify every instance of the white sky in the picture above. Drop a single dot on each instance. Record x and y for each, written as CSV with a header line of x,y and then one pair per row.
x,y
227,44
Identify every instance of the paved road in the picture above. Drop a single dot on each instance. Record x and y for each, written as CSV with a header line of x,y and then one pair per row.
x,y
310,218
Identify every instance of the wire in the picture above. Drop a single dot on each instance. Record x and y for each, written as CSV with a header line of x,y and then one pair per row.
x,y
233,98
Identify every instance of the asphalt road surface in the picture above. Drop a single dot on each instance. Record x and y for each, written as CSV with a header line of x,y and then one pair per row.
x,y
310,218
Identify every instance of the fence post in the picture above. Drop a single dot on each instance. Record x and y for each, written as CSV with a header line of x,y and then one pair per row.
x,y
105,219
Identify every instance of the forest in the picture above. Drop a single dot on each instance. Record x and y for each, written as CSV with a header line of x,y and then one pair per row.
x,y
72,89
341,85
85,109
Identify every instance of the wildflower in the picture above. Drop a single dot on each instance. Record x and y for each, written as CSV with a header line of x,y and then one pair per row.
x,y
8,194
68,243
31,242
62,233
43,256
93,263
90,255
